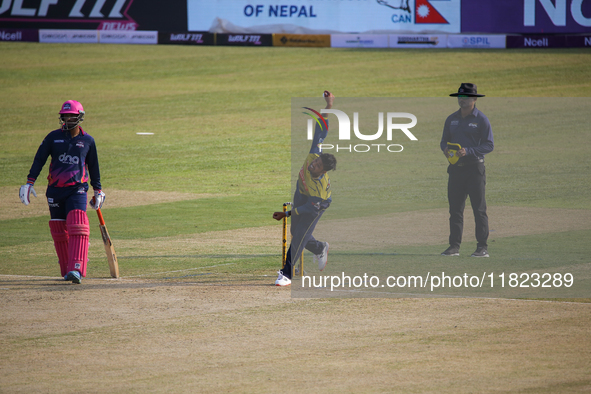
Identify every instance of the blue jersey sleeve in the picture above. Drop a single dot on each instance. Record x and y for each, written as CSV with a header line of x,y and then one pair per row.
x,y
93,167
320,133
40,159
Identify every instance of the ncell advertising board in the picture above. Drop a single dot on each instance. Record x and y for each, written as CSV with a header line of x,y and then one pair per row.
x,y
322,16
526,16
19,35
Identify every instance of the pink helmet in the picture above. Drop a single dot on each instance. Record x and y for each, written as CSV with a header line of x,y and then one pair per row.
x,y
71,107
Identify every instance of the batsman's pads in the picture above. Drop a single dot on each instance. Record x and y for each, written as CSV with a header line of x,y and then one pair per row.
x,y
78,230
59,233
452,152
25,192
97,201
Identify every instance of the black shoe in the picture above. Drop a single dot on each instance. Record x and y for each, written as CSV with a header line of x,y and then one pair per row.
x,y
480,252
451,251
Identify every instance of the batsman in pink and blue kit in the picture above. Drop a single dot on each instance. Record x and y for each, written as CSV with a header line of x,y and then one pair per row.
x,y
73,159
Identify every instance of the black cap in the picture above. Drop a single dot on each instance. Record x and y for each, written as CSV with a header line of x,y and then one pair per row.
x,y
467,89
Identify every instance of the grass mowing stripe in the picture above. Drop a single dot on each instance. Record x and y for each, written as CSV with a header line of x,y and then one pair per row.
x,y
159,220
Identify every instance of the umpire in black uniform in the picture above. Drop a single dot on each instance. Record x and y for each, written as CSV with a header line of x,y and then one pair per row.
x,y
470,133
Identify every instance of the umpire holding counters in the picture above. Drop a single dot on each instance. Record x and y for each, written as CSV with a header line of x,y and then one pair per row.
x,y
467,137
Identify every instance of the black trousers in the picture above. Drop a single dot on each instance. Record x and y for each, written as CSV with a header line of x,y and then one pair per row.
x,y
302,228
464,181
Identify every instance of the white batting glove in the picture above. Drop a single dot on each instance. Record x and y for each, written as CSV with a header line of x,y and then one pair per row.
x,y
98,200
25,192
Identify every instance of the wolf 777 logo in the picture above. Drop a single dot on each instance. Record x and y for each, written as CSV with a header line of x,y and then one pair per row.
x,y
110,14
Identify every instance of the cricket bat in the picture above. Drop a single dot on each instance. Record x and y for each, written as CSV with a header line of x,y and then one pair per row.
x,y
109,249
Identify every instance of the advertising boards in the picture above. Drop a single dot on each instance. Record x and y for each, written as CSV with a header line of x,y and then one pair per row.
x,y
244,39
359,40
301,40
418,41
580,41
186,38
128,37
31,35
526,16
549,41
69,36
536,41
476,41
170,15
326,17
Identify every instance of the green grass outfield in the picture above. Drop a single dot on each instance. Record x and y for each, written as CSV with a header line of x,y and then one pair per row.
x,y
195,310
221,123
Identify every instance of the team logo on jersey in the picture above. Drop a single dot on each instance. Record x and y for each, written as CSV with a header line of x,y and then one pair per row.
x,y
58,141
80,144
67,159
455,122
473,125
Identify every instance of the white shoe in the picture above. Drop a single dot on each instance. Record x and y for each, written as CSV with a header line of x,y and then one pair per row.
x,y
322,258
282,280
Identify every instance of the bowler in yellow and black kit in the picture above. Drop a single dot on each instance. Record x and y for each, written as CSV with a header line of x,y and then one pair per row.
x,y
311,198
